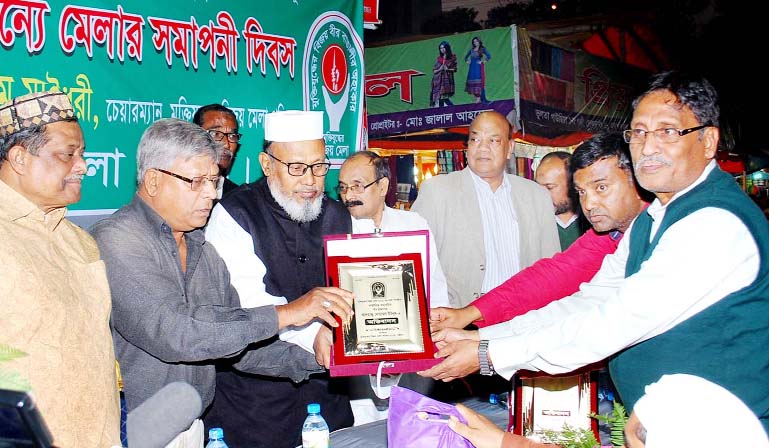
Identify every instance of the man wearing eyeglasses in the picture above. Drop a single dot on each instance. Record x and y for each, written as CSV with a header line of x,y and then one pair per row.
x,y
364,179
222,125
688,287
270,234
174,310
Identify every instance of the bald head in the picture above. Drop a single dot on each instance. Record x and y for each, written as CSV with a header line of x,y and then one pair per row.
x,y
496,117
553,174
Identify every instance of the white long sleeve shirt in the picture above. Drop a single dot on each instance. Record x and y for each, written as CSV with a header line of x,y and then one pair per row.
x,y
394,220
699,260
247,271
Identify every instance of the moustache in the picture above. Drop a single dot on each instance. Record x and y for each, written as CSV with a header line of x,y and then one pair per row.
x,y
654,158
353,203
74,178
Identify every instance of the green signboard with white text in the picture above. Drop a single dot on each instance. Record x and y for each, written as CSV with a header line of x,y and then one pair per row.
x,y
129,64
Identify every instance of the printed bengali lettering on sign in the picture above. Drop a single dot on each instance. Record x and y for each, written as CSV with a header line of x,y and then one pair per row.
x,y
127,65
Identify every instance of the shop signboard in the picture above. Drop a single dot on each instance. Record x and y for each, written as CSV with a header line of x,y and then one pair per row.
x,y
403,82
566,91
129,64
371,14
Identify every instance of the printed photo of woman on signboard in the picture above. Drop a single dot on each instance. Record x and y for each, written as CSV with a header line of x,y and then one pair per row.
x,y
477,57
442,87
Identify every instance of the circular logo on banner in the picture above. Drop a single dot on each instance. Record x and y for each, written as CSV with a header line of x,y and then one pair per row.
x,y
334,69
333,82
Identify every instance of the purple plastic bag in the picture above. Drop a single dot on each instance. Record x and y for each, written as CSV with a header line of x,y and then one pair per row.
x,y
405,428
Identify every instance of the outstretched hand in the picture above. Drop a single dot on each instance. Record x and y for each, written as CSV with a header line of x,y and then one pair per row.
x,y
479,430
441,317
461,359
443,337
318,302
483,433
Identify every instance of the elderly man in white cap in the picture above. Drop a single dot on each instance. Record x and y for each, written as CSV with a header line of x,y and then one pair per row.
x,y
270,234
54,291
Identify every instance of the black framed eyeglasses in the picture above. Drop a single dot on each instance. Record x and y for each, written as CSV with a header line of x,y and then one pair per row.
x,y
196,183
319,169
664,135
232,137
355,188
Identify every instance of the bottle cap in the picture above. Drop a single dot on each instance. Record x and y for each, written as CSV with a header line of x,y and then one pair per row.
x,y
215,433
313,408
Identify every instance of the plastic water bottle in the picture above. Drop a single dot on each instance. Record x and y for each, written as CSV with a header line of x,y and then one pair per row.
x,y
499,400
216,438
315,429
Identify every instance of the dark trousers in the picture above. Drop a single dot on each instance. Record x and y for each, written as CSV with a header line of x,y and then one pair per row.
x,y
256,411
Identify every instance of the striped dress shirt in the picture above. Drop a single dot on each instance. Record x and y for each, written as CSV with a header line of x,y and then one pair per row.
x,y
500,232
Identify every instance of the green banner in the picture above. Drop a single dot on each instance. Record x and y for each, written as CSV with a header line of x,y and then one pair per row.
x,y
400,77
125,66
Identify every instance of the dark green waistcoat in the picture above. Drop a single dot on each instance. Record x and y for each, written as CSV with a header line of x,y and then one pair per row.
x,y
728,342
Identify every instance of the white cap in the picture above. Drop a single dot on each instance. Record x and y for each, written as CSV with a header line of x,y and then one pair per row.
x,y
293,126
686,410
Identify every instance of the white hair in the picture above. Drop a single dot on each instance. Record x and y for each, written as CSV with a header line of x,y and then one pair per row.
x,y
171,138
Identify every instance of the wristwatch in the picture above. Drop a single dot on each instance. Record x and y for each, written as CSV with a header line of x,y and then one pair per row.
x,y
483,358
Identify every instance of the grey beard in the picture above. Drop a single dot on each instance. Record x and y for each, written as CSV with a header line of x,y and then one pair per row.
x,y
305,211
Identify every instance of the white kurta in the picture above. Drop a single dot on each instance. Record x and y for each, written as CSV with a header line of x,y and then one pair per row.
x,y
394,220
699,260
247,271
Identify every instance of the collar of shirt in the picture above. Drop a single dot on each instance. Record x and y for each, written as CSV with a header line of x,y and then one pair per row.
x,y
567,223
483,187
14,206
366,225
157,224
657,211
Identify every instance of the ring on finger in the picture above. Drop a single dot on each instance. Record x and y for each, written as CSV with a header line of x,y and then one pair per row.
x,y
325,303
